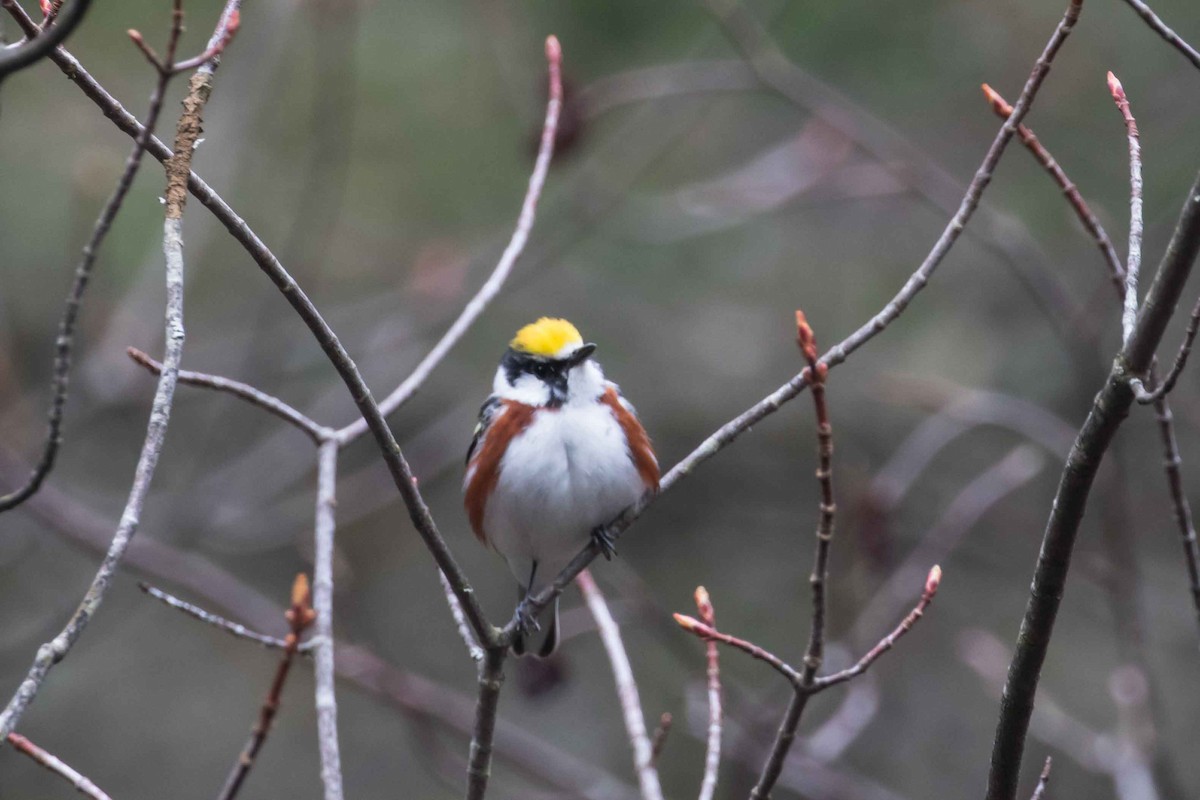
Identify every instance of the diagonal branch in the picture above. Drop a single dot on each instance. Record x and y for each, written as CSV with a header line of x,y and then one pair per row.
x,y
495,282
81,782
244,391
217,621
1158,26
627,690
40,44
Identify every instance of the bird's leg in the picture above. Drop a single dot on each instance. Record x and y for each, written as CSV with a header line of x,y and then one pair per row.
x,y
525,618
605,542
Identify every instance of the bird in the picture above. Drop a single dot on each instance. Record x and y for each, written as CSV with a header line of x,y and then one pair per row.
x,y
557,454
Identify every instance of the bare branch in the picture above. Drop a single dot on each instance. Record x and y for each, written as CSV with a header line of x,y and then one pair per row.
x,y
38,46
712,758
479,758
256,397
326,698
1090,221
299,616
401,394
1129,316
889,641
460,620
659,738
217,621
56,765
65,341
1108,411
1145,396
1158,26
708,633
627,690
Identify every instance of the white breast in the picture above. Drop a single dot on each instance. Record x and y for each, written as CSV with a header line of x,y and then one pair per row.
x,y
563,476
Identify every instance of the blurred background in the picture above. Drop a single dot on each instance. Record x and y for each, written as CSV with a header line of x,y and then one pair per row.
x,y
382,149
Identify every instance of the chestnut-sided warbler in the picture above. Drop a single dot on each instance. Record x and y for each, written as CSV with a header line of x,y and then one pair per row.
x,y
557,454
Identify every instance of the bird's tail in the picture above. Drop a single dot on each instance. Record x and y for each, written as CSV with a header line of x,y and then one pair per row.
x,y
540,644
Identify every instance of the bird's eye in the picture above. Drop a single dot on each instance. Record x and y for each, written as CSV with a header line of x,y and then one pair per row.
x,y
542,371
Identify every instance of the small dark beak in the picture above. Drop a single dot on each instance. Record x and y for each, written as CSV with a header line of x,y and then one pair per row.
x,y
581,355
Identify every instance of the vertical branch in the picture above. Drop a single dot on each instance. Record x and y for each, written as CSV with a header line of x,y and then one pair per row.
x,y
627,691
814,653
712,758
1108,411
299,616
479,760
1043,781
326,699
1129,315
460,619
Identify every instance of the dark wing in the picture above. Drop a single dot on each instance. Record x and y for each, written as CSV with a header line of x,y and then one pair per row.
x,y
487,413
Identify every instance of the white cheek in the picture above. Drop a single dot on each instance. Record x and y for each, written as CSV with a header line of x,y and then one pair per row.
x,y
586,382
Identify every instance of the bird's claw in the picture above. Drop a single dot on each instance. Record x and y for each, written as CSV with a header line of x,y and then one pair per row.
x,y
525,618
605,542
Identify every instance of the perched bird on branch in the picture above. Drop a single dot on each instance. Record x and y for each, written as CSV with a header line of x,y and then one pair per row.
x,y
558,453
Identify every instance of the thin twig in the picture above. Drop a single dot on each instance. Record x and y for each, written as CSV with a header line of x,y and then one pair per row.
x,y
44,42
709,633
65,341
1129,315
1145,396
730,431
815,651
244,391
658,740
1043,780
54,651
476,306
1158,26
627,690
1090,221
217,621
712,757
1108,411
460,620
299,616
326,698
82,784
888,642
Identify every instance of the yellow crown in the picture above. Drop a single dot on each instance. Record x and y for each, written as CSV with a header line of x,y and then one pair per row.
x,y
546,337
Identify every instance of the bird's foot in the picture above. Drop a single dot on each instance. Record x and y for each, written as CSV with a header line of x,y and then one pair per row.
x,y
605,542
525,618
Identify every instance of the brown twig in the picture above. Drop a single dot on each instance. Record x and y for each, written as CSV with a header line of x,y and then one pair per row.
x,y
1090,221
1134,264
82,784
256,397
888,642
65,341
658,740
712,757
627,690
299,616
1158,26
709,633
